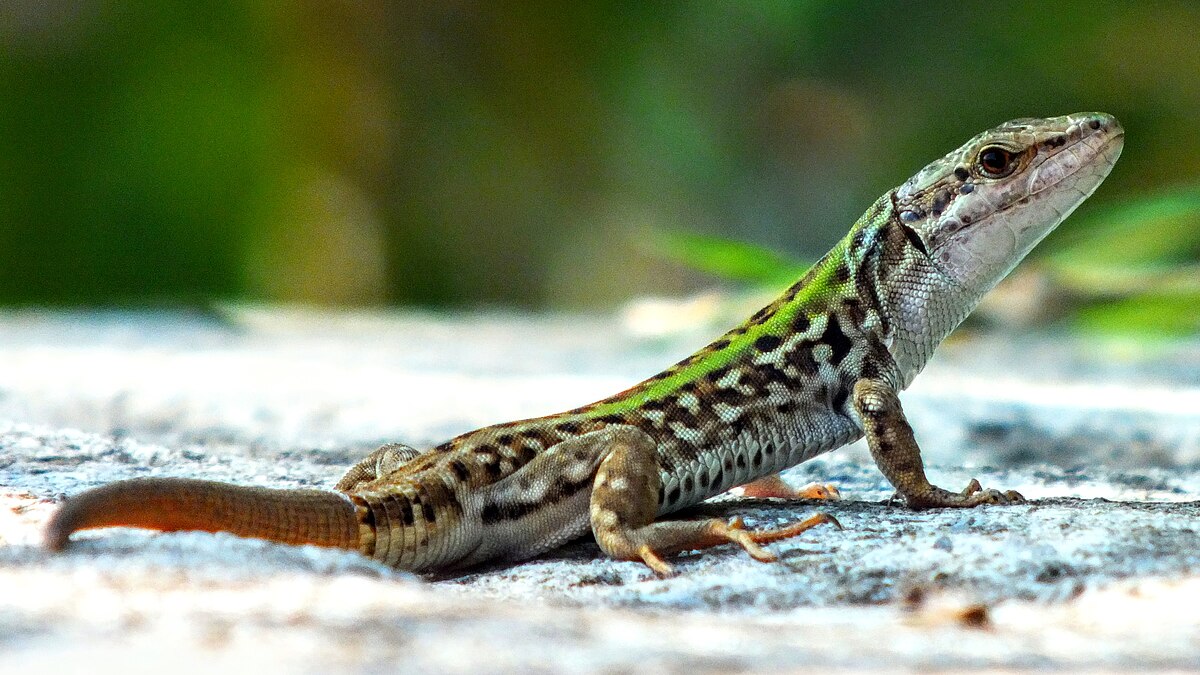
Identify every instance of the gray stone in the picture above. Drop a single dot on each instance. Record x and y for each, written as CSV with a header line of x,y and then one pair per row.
x,y
1098,571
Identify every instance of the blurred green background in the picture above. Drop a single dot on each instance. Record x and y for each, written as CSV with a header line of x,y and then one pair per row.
x,y
545,155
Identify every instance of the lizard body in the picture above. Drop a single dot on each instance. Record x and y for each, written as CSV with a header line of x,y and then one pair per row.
x,y
816,369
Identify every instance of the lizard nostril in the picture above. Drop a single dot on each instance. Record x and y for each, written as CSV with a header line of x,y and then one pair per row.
x,y
1094,124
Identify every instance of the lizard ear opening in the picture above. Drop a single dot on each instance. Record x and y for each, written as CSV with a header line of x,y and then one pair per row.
x,y
914,238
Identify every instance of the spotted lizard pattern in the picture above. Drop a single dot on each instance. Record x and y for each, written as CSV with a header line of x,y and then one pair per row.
x,y
818,368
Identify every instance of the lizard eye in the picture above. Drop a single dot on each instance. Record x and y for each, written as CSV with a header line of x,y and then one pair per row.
x,y
996,162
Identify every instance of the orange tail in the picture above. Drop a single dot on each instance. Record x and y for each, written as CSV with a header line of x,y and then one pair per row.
x,y
168,504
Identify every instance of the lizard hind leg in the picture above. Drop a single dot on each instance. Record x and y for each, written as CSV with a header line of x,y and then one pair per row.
x,y
382,461
624,503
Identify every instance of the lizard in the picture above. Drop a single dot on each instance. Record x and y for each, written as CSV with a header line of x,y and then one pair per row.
x,y
818,368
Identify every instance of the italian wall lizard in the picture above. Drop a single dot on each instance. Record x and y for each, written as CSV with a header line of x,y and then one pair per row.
x,y
816,369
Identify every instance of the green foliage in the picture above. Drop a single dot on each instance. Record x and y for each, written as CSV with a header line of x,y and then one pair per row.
x,y
725,258
493,153
1146,315
1145,230
1132,266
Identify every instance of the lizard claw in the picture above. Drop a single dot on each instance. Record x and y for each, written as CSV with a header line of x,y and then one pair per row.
x,y
978,495
661,567
825,491
737,533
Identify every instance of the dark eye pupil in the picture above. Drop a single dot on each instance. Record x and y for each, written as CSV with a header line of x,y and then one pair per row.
x,y
994,160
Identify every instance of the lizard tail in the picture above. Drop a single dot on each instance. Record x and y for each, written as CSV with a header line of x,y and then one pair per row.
x,y
169,504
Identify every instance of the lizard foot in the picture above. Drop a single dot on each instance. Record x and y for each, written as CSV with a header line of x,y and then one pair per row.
x,y
788,531
975,492
972,495
750,540
675,536
774,487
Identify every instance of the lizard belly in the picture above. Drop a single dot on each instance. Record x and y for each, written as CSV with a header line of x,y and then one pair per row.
x,y
769,449
519,532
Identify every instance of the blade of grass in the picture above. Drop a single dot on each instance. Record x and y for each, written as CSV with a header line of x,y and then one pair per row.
x,y
1154,229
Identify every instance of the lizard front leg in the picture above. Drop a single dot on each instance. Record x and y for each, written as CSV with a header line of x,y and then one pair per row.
x,y
624,503
890,438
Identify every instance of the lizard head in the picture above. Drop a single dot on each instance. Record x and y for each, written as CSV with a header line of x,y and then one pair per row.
x,y
980,209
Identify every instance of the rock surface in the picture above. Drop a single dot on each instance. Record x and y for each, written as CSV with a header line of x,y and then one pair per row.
x,y
1098,571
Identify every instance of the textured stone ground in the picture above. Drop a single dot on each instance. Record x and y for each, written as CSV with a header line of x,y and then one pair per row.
x,y
1101,571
